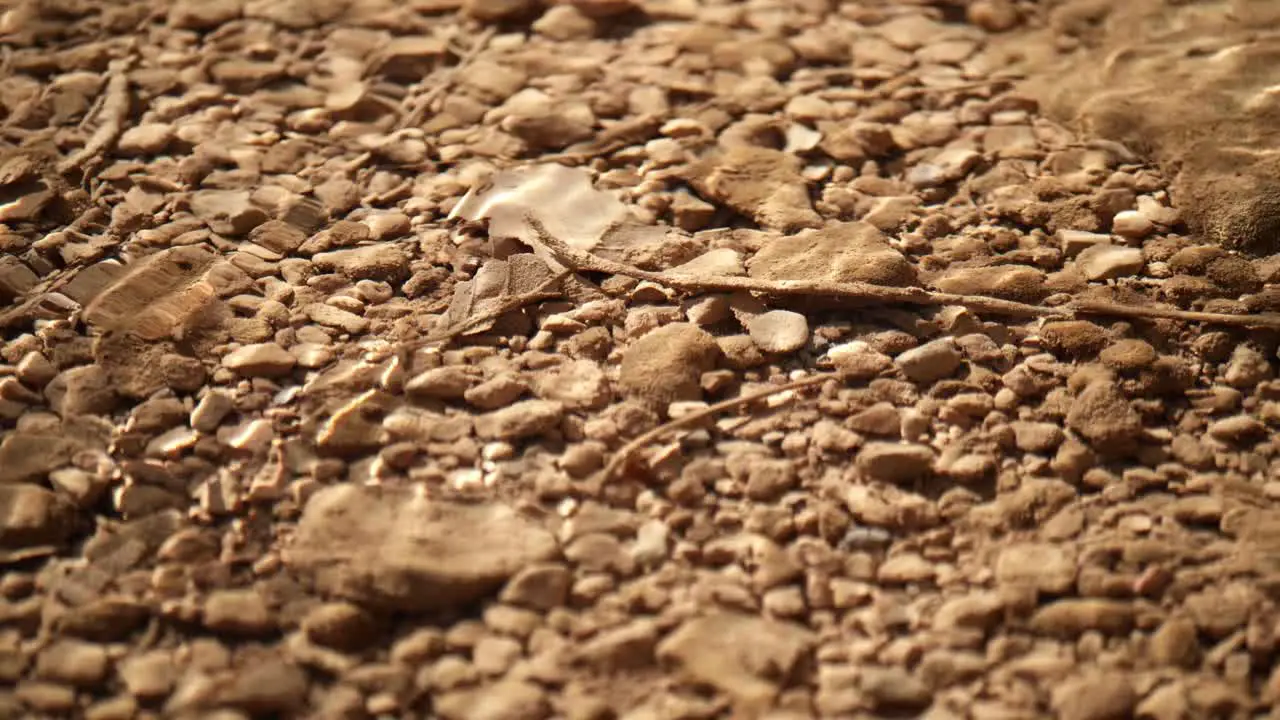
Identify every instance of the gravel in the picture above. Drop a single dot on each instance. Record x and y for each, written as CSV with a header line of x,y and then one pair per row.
x,y
297,420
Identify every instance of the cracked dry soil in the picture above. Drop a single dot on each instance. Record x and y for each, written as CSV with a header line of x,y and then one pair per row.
x,y
943,383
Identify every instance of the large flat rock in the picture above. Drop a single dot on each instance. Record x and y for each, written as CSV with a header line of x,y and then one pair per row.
x,y
395,550
1189,85
751,659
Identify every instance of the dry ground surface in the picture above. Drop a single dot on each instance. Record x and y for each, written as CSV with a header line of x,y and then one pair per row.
x,y
493,360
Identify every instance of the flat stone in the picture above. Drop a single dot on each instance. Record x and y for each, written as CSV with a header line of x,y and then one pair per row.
x,y
1073,242
266,685
238,612
260,360
350,431
212,409
111,618
31,516
578,384
546,124
707,310
394,549
1021,283
1095,696
1070,618
980,610
942,668
204,14
895,462
157,292
335,317
1134,354
629,647
858,360
340,625
497,10
882,419
779,331
528,418
1044,567
84,390
710,650
278,236
35,370
1036,437
564,22
74,662
243,75
762,183
720,262
1223,608
1074,338
150,675
145,139
906,568
892,214
49,699
853,143
1237,429
383,261
1132,224
227,212
1170,702
494,655
16,278
446,383
894,689
541,586
503,700
947,166
496,392
1106,262
26,457
1010,141
410,57
844,252
931,361
390,224
1176,643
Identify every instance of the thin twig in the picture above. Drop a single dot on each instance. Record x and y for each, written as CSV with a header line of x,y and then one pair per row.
x,y
415,116
503,306
403,354
582,261
623,456
921,90
615,137
1097,307
113,115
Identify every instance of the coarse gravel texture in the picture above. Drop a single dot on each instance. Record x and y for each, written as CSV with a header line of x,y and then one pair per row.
x,y
302,417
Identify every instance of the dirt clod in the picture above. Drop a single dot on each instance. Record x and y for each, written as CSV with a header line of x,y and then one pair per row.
x,y
666,364
351,542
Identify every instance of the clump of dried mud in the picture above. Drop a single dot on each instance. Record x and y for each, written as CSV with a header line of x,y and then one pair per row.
x,y
1194,85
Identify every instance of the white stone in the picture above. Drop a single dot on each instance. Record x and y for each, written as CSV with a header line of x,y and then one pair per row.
x,y
1132,224
260,360
779,331
1105,262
